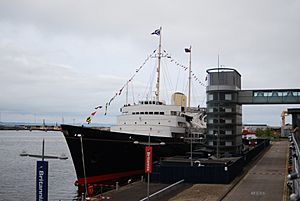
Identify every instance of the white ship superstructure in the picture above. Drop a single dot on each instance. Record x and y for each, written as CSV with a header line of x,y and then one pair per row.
x,y
154,117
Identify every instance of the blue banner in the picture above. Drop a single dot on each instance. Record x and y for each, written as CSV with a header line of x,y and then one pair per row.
x,y
42,181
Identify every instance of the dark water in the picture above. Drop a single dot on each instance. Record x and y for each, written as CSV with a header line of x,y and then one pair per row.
x,y
17,174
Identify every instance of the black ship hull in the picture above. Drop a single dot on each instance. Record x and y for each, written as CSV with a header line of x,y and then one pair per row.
x,y
112,156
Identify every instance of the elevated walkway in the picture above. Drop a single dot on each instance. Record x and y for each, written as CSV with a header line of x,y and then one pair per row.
x,y
269,96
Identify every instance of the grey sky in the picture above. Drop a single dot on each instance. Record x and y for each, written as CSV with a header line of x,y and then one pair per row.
x,y
62,58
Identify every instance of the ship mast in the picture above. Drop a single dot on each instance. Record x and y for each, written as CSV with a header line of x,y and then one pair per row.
x,y
190,77
158,67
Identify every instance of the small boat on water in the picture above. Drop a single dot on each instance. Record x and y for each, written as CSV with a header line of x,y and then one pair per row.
x,y
117,153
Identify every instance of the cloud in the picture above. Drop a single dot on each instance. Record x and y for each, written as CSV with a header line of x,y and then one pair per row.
x,y
64,56
30,83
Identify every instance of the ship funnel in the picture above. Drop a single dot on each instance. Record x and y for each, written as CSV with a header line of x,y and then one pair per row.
x,y
179,99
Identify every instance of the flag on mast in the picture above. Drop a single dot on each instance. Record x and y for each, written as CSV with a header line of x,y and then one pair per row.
x,y
187,50
156,32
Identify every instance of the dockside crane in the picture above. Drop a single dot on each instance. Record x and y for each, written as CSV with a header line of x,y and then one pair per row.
x,y
283,115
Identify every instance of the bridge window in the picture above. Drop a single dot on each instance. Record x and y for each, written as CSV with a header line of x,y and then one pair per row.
x,y
181,124
270,93
259,94
156,113
162,113
150,112
174,113
141,112
291,93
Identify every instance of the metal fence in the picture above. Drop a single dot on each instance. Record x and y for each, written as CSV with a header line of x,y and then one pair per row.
x,y
214,173
294,176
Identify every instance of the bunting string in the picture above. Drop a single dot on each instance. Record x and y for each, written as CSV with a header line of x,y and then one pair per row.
x,y
185,68
152,55
119,92
89,118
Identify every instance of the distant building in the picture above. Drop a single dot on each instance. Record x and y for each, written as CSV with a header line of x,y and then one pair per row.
x,y
249,130
254,127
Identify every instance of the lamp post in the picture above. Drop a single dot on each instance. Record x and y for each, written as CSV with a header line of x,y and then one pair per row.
x,y
190,132
83,164
148,159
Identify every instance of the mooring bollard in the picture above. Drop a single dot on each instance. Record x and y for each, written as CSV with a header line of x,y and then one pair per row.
x,y
82,197
117,186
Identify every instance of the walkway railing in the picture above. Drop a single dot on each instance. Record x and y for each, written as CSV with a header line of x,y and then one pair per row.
x,y
294,177
163,190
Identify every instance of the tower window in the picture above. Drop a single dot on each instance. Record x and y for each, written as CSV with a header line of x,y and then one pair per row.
x,y
228,97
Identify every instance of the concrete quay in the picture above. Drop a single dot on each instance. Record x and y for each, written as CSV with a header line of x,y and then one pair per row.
x,y
264,180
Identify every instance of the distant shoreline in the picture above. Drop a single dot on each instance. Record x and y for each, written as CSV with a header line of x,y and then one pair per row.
x,y
31,127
